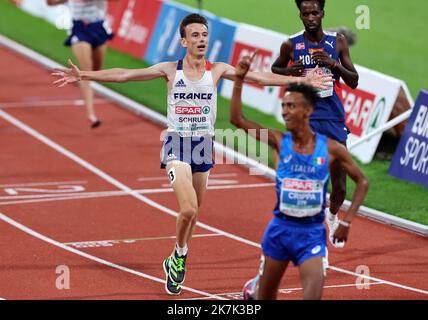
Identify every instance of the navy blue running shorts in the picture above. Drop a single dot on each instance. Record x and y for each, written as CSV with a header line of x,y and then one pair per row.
x,y
334,129
196,151
95,33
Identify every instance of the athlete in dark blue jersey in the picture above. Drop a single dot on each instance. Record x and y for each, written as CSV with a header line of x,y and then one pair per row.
x,y
329,50
297,232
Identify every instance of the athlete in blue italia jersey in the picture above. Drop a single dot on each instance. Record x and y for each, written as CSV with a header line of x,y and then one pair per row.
x,y
297,232
328,50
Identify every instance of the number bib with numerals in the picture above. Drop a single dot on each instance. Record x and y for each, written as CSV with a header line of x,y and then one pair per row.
x,y
302,180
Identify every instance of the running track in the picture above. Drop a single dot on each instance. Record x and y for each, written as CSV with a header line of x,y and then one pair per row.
x,y
97,202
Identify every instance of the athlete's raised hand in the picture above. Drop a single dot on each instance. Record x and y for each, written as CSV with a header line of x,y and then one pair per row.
x,y
67,75
318,79
243,65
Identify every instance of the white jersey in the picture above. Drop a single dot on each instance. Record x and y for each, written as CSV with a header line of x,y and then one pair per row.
x,y
88,10
192,105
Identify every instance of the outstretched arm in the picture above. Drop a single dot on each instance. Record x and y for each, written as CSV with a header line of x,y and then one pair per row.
x,y
236,116
313,78
338,151
73,74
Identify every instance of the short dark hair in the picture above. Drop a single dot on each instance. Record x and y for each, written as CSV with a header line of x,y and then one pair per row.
x,y
189,19
320,2
308,92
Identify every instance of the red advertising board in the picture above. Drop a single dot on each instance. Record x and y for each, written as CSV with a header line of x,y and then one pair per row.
x,y
358,106
133,22
262,61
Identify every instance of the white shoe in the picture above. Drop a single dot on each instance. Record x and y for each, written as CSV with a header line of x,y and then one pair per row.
x,y
332,223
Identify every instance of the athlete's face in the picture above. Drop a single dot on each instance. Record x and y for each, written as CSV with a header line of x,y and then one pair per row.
x,y
311,15
196,40
295,110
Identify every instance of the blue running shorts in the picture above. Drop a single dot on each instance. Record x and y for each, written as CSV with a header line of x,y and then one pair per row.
x,y
334,129
196,151
96,33
294,241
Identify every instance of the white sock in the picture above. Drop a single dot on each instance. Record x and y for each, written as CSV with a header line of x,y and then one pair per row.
x,y
181,251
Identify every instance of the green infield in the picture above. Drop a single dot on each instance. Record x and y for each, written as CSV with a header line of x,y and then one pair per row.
x,y
386,193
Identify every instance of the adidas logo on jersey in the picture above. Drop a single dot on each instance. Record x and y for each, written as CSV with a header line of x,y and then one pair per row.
x,y
180,84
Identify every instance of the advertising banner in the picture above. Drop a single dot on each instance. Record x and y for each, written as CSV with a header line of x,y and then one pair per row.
x,y
165,44
133,23
367,108
411,156
268,43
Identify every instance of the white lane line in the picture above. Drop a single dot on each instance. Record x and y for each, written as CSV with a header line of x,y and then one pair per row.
x,y
358,275
81,244
48,103
96,259
238,295
42,184
156,205
99,194
164,178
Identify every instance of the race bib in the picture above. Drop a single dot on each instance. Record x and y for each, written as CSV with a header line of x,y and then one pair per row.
x,y
301,198
327,92
192,120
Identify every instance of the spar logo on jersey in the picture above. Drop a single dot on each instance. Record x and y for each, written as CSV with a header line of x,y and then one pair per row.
x,y
206,110
301,185
196,110
363,110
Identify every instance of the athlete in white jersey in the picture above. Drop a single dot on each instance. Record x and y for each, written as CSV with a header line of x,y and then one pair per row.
x,y
192,85
88,38
88,10
192,105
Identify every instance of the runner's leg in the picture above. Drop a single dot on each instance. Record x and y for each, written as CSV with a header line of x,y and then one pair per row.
x,y
270,279
200,180
98,57
180,175
312,278
83,53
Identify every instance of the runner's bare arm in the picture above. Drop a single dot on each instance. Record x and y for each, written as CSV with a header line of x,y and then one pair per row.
x,y
280,66
346,68
338,152
314,79
73,74
236,116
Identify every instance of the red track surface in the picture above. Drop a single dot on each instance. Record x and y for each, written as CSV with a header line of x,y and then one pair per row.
x,y
126,148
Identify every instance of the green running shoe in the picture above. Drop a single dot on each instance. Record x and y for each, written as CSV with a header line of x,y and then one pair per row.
x,y
171,287
177,268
